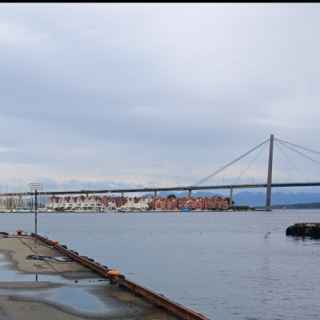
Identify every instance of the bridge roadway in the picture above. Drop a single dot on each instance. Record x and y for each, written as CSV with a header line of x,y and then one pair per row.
x,y
155,189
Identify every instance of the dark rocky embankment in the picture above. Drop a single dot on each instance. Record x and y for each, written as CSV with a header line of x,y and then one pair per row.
x,y
304,230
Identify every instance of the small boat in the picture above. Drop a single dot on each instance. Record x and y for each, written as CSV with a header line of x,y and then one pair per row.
x,y
185,209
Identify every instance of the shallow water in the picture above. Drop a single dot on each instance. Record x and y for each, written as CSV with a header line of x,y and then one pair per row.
x,y
77,298
77,295
226,265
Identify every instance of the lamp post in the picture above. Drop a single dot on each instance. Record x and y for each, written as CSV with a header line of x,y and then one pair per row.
x,y
35,187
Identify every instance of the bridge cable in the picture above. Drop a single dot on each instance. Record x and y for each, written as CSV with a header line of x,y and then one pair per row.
x,y
287,158
298,146
250,164
231,163
300,153
291,196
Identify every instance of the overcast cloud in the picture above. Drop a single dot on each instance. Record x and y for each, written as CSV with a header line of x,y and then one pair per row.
x,y
151,94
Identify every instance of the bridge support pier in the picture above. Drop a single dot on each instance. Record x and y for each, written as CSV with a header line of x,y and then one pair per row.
x,y
189,193
231,198
269,179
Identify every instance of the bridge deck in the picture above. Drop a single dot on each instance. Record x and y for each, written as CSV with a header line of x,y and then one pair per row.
x,y
164,189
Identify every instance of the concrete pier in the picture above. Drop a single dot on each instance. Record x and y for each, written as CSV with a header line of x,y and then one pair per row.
x,y
38,282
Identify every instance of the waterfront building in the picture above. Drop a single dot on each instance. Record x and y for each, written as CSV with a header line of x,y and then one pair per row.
x,y
193,203
13,204
108,203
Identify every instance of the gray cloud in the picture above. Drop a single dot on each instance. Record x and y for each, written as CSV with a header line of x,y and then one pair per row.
x,y
162,93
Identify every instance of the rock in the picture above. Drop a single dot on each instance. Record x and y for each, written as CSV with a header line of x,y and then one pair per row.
x,y
309,230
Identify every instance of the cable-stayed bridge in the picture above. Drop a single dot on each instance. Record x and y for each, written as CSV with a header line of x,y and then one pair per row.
x,y
283,145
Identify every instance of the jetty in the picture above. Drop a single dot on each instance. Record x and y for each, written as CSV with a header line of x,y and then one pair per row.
x,y
42,278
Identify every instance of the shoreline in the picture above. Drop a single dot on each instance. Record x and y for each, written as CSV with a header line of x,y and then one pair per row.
x,y
132,212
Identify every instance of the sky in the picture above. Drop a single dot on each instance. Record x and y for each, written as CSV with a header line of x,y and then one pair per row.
x,y
151,95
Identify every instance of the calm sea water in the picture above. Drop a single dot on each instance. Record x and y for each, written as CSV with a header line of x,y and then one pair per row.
x,y
226,265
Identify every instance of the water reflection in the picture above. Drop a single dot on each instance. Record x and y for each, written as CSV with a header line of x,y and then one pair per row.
x,y
79,298
76,294
304,240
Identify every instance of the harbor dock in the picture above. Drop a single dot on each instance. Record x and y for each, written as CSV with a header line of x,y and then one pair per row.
x,y
43,278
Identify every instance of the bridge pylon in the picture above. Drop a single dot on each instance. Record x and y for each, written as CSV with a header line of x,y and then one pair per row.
x,y
269,177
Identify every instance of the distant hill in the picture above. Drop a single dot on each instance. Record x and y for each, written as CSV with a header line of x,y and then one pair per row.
x,y
278,198
315,205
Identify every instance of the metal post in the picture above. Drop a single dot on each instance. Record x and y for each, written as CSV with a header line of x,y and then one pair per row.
x,y
269,181
231,198
36,211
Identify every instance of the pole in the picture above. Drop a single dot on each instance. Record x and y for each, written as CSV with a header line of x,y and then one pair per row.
x,y
231,198
269,179
36,211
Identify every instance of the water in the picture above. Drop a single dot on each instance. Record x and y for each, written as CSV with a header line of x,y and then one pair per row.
x,y
78,296
226,265
74,298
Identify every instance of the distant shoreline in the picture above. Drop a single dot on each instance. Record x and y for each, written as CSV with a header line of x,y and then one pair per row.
x,y
313,205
